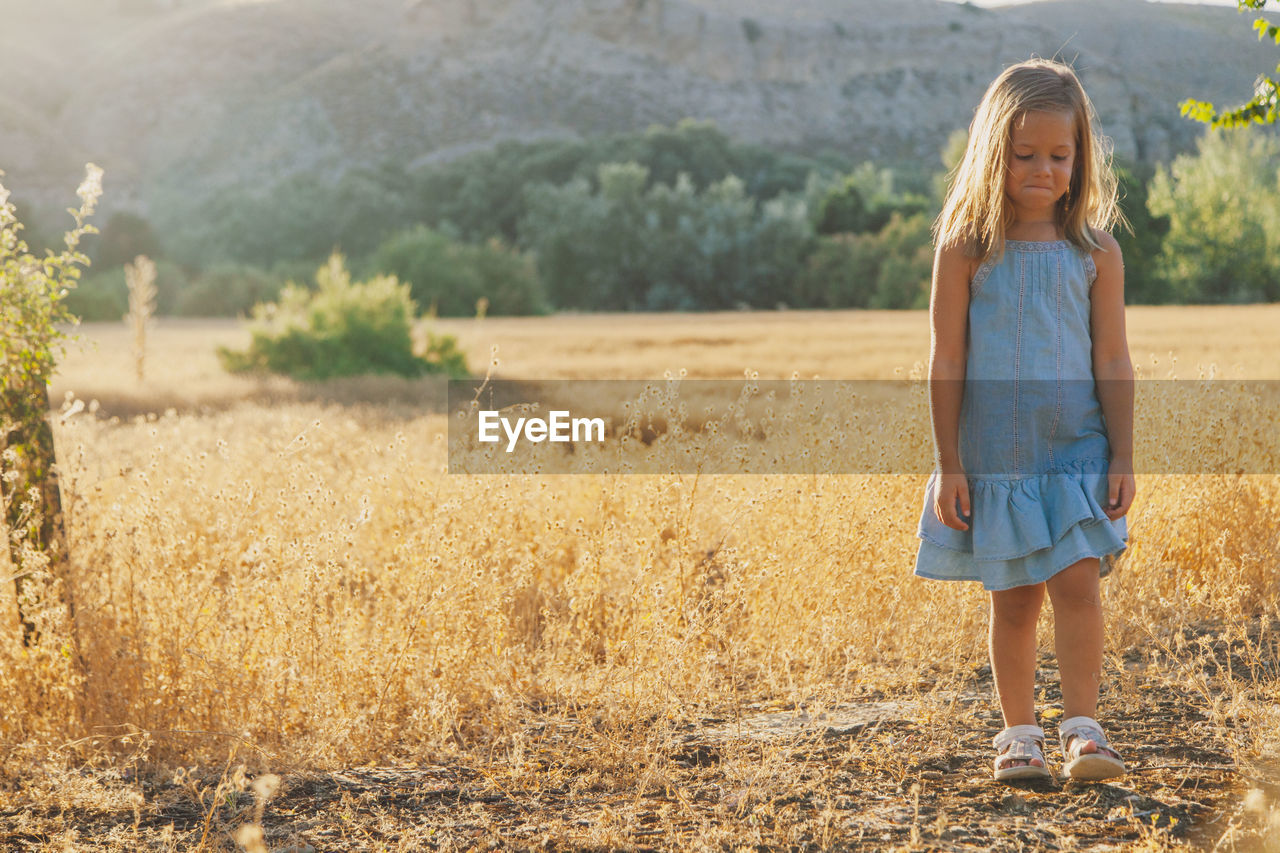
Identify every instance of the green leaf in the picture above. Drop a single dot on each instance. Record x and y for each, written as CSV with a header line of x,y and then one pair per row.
x,y
1200,111
1266,29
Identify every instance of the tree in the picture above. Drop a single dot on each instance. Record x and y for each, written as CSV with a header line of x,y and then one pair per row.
x,y
123,238
1264,107
885,269
864,201
1223,207
1141,246
33,314
448,277
668,247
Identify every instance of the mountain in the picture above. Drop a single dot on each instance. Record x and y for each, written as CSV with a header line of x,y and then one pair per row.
x,y
178,100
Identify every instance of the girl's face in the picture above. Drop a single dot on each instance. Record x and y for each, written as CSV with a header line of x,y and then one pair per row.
x,y
1042,158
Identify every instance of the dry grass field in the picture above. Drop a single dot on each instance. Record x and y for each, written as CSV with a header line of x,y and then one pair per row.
x,y
295,630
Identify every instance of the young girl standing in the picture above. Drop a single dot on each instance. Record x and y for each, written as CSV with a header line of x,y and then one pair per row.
x,y
1031,393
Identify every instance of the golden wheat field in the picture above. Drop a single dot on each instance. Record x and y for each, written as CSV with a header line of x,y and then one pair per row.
x,y
295,630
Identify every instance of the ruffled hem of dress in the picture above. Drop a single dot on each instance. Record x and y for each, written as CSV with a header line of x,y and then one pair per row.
x,y
1018,517
1087,540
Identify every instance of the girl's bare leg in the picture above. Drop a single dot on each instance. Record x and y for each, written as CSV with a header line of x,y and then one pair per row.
x,y
1077,634
1012,645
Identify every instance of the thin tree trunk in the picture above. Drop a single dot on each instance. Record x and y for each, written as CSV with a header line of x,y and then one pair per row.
x,y
30,464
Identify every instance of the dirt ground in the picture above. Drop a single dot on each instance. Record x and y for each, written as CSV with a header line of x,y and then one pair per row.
x,y
908,771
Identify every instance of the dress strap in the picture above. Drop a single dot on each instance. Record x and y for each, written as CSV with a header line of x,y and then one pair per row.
x,y
1090,268
980,277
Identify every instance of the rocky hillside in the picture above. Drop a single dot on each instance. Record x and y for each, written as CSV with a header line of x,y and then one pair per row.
x,y
179,99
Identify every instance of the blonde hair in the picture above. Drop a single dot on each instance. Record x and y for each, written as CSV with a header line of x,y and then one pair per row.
x,y
976,211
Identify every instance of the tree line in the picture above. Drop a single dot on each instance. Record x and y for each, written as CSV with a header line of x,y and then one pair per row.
x,y
675,218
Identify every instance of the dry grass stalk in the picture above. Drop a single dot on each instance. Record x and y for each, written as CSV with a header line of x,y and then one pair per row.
x,y
140,277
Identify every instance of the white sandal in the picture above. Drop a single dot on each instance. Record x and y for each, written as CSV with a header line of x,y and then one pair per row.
x,y
1077,731
1020,743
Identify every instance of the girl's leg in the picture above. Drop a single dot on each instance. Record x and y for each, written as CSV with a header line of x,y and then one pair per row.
x,y
1077,634
1013,651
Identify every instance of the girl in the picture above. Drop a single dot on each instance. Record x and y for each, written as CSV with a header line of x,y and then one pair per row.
x,y
1031,393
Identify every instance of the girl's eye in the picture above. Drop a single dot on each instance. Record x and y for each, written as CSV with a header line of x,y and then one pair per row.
x,y
1023,156
1060,157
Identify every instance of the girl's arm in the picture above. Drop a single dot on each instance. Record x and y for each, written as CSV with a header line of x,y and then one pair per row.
x,y
1113,372
949,318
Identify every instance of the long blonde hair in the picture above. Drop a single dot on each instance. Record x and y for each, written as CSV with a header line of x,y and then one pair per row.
x,y
976,211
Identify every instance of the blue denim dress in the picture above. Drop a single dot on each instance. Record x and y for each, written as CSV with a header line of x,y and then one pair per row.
x,y
1032,439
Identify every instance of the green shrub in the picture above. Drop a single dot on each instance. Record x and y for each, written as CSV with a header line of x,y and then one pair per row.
x,y
33,331
448,278
228,290
342,329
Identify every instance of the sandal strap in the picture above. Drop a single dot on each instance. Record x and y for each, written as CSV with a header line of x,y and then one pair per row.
x,y
1083,729
1022,749
1019,743
1017,733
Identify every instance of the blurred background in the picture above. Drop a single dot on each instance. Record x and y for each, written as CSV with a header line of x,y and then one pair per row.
x,y
601,154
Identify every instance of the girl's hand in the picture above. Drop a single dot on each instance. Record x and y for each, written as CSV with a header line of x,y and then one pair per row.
x,y
952,488
1120,488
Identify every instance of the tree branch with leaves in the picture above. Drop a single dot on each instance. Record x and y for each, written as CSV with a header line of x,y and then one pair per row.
x,y
33,327
1264,107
